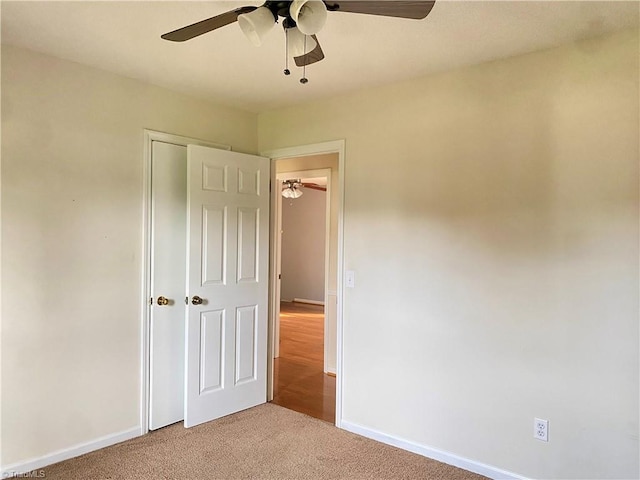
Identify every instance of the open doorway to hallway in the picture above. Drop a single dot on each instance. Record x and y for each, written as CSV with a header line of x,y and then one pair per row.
x,y
305,297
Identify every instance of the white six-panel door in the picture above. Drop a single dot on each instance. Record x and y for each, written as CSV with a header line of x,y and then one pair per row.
x,y
227,283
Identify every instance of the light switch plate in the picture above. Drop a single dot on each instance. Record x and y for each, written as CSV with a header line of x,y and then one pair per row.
x,y
350,279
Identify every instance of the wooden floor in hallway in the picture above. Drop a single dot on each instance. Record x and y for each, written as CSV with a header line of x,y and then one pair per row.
x,y
300,383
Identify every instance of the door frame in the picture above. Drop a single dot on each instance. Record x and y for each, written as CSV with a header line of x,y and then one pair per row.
x,y
337,147
277,204
145,313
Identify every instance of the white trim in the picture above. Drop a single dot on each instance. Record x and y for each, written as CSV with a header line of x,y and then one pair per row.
x,y
15,469
336,146
146,283
149,137
273,350
433,453
310,302
275,257
152,135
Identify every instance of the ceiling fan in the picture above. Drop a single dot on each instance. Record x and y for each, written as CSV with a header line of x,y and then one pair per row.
x,y
302,20
291,188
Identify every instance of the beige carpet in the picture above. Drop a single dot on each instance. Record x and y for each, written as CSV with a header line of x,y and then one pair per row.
x,y
265,442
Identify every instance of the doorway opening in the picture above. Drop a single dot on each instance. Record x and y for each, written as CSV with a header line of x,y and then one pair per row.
x,y
304,343
306,261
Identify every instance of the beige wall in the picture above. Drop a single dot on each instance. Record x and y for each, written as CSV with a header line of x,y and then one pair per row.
x,y
72,148
491,216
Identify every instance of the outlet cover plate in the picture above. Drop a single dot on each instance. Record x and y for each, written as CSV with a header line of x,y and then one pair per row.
x,y
541,429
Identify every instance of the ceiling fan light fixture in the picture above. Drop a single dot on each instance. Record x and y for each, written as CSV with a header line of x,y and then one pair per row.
x,y
298,43
292,190
256,24
295,192
309,15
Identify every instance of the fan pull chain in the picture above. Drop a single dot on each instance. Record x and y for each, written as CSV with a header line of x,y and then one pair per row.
x,y
304,78
286,52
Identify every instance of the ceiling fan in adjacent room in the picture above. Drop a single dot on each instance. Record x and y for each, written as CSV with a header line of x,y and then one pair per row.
x,y
302,20
291,188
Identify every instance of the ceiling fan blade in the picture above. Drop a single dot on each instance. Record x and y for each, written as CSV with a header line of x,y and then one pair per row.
x,y
313,56
204,26
389,8
315,186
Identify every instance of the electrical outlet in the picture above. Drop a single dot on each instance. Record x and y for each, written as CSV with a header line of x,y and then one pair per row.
x,y
541,429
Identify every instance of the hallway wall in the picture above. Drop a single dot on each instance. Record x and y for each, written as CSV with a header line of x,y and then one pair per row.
x,y
303,246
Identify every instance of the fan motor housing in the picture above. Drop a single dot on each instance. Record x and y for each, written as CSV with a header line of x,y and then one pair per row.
x,y
281,8
278,8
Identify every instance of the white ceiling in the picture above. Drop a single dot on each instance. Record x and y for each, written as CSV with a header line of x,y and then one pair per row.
x,y
361,50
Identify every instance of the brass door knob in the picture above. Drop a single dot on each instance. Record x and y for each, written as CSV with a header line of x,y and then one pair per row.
x,y
163,301
196,300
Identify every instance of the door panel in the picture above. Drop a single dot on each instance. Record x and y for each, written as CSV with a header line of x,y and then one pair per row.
x,y
248,248
211,350
246,326
214,233
168,277
226,335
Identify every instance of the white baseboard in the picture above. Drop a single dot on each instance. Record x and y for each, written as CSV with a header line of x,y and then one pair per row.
x,y
310,302
15,469
433,453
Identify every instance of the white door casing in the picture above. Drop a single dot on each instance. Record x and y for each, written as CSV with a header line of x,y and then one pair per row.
x,y
276,279
168,277
227,267
337,147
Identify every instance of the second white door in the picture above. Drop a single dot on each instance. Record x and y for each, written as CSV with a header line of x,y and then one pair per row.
x,y
168,283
